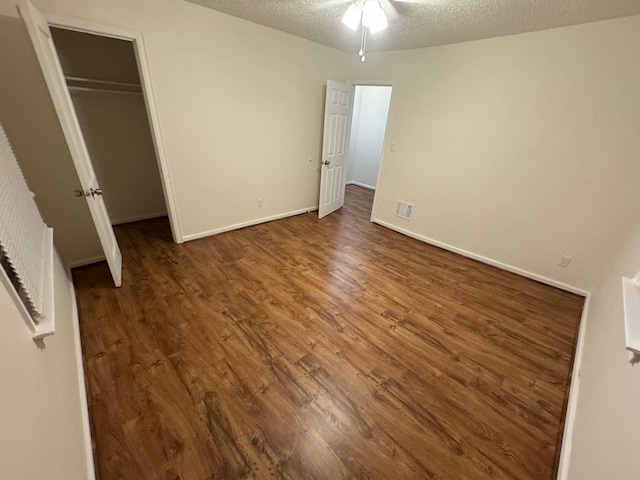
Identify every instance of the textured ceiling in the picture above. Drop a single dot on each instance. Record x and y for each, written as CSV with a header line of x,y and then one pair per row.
x,y
422,23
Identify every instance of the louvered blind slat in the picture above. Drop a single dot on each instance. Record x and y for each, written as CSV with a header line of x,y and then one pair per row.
x,y
23,234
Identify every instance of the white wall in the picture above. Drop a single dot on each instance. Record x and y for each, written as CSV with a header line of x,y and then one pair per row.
x,y
521,148
41,429
95,56
370,112
607,417
240,107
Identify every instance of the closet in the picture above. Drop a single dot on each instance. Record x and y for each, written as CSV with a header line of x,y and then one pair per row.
x,y
102,77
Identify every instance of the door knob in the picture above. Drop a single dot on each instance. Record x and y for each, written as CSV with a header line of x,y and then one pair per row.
x,y
327,162
92,192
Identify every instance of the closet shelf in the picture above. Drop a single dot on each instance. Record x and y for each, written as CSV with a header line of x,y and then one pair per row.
x,y
104,86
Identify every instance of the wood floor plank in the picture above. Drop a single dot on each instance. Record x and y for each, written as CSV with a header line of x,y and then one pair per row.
x,y
321,349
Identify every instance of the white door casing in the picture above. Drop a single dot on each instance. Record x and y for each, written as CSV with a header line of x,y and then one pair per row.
x,y
50,64
337,126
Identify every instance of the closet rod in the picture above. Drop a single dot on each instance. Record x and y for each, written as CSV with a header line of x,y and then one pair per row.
x,y
102,90
100,85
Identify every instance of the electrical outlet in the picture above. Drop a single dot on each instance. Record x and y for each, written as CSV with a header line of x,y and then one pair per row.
x,y
564,261
260,203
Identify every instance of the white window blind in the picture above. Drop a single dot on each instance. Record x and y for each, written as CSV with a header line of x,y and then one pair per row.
x,y
26,246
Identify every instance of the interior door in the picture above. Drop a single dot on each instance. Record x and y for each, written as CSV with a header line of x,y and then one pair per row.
x,y
50,65
338,112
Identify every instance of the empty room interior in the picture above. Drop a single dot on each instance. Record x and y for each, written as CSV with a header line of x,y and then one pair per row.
x,y
380,239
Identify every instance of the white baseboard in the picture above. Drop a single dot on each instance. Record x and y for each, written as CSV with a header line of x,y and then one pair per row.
x,y
488,261
87,261
138,218
363,185
250,223
84,406
574,390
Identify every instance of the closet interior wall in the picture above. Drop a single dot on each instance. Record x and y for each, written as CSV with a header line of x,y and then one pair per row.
x,y
102,75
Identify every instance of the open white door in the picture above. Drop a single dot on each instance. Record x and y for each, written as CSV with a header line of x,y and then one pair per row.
x,y
337,125
50,65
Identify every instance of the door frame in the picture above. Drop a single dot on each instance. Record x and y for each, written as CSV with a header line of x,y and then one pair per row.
x,y
367,82
144,71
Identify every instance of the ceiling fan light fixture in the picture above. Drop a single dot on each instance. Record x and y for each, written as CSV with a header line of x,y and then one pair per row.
x,y
373,16
352,16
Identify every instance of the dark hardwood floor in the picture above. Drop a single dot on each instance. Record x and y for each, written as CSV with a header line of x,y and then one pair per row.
x,y
321,349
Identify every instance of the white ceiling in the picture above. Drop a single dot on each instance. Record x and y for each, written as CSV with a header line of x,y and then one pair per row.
x,y
424,23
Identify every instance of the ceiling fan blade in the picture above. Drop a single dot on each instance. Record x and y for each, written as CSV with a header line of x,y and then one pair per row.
x,y
327,4
389,10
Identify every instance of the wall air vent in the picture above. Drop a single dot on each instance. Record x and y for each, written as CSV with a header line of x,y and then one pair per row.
x,y
404,209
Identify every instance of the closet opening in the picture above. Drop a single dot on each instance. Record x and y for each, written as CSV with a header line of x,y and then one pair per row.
x,y
105,87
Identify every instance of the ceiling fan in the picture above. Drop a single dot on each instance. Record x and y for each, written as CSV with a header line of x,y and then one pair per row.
x,y
374,16
375,12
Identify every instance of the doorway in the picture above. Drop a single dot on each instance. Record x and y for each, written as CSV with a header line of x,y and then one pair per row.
x,y
102,77
368,131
